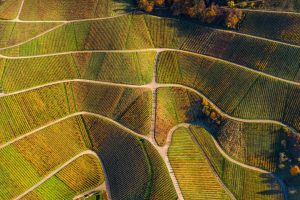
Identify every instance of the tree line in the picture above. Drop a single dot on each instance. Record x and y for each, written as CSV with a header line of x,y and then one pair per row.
x,y
208,11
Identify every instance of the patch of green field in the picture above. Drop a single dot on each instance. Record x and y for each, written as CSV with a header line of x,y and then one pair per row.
x,y
162,187
255,96
9,9
83,174
25,73
26,111
17,174
242,182
174,106
124,32
133,178
129,68
50,147
64,9
53,188
13,33
32,109
192,170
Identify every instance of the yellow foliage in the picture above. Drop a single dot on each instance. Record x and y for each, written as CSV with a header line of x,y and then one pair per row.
x,y
231,4
159,2
204,102
295,170
213,115
149,8
281,166
244,4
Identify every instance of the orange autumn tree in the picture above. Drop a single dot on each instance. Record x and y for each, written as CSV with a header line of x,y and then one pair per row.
x,y
206,11
295,170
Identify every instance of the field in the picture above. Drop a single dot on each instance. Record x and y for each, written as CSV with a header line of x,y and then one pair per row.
x,y
99,100
64,184
255,95
9,9
64,9
105,67
196,178
244,183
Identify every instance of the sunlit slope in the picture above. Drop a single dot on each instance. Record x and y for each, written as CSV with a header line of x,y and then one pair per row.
x,y
140,32
112,67
194,173
13,33
239,139
38,154
81,175
242,182
73,9
237,91
24,112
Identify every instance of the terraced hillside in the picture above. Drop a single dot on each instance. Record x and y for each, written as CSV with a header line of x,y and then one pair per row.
x,y
108,103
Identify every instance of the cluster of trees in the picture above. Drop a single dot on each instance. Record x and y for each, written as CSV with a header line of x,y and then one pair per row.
x,y
289,155
210,112
208,11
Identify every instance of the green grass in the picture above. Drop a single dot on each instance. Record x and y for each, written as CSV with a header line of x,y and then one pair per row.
x,y
193,172
53,188
242,182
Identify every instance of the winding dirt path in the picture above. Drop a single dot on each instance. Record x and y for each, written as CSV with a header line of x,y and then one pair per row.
x,y
17,19
151,86
161,150
159,50
226,156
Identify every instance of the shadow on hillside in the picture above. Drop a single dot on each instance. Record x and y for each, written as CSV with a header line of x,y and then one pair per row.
x,y
128,6
273,185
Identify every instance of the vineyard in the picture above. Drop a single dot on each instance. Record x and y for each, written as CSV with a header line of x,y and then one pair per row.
x,y
101,101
